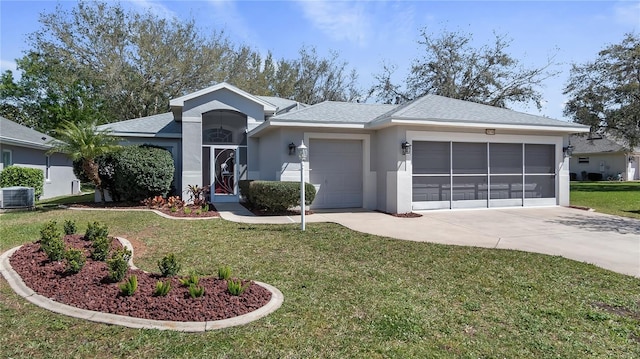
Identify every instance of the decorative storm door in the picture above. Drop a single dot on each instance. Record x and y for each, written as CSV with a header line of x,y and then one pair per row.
x,y
224,187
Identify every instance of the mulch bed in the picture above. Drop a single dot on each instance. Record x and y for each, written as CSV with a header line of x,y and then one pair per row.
x,y
90,289
180,213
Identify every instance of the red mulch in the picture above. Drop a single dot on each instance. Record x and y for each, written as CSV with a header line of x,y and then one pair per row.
x,y
132,205
90,289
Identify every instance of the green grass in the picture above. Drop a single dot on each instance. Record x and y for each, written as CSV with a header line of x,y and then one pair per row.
x,y
347,295
618,198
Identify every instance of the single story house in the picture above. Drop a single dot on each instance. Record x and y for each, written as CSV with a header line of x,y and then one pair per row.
x,y
26,147
603,156
430,153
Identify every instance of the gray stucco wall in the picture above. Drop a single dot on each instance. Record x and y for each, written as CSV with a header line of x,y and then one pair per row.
x,y
606,164
60,169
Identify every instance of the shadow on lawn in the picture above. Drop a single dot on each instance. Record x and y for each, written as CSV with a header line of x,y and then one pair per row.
x,y
601,224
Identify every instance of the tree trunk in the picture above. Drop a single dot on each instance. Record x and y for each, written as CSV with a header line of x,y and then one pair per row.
x,y
90,169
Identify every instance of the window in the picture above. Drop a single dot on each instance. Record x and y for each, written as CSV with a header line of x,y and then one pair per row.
x,y
7,159
583,159
47,170
218,135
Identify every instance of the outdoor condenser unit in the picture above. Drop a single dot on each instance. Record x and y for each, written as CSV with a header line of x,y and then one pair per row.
x,y
17,197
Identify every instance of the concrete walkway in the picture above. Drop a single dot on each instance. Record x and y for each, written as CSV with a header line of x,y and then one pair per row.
x,y
607,241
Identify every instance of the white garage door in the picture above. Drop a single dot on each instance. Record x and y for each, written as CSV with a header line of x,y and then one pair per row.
x,y
335,168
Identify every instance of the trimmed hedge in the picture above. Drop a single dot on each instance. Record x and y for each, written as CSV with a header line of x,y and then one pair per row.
x,y
275,196
141,172
23,176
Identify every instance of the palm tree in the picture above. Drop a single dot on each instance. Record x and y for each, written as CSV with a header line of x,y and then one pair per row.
x,y
85,142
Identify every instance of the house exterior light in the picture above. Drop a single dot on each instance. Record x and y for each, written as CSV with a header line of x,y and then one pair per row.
x,y
568,151
406,148
292,149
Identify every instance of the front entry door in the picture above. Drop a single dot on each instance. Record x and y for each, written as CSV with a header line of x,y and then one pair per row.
x,y
224,186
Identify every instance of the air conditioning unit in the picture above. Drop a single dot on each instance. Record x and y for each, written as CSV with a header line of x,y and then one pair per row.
x,y
17,197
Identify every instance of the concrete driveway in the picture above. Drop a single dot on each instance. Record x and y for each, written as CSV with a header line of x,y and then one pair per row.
x,y
607,241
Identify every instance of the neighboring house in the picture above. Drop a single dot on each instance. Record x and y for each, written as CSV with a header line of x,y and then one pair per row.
x,y
431,153
604,156
25,147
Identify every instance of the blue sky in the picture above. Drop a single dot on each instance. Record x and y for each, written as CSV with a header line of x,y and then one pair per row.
x,y
367,34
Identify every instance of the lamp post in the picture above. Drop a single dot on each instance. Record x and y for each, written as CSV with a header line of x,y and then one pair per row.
x,y
303,154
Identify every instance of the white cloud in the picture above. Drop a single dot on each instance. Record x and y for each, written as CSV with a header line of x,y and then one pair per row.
x,y
226,13
8,65
155,8
627,13
339,20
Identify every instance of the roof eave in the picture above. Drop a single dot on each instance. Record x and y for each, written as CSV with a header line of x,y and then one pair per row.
x,y
271,123
23,143
179,102
438,123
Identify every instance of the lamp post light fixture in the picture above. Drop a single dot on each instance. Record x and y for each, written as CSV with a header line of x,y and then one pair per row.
x,y
303,154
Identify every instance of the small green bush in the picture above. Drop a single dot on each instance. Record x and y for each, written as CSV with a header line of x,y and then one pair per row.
x,y
130,286
196,291
162,288
74,260
96,230
192,279
51,241
169,265
23,176
101,247
235,286
224,272
70,227
118,265
275,196
50,230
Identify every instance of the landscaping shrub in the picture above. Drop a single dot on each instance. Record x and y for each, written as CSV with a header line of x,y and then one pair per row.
x,y
118,265
96,230
235,287
192,279
70,227
74,260
224,272
169,265
51,241
130,286
592,176
573,176
101,247
276,196
162,288
142,172
196,291
23,176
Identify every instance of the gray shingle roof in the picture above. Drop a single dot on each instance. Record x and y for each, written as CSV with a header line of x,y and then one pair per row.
x,y
16,134
336,112
596,144
281,103
163,125
439,108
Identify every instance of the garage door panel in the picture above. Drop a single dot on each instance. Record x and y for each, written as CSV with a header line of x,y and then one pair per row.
x,y
335,168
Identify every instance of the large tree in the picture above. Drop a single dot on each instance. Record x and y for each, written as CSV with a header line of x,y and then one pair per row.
x,y
605,93
100,62
450,66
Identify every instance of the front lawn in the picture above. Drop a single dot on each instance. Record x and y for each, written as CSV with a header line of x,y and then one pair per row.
x,y
347,294
619,198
